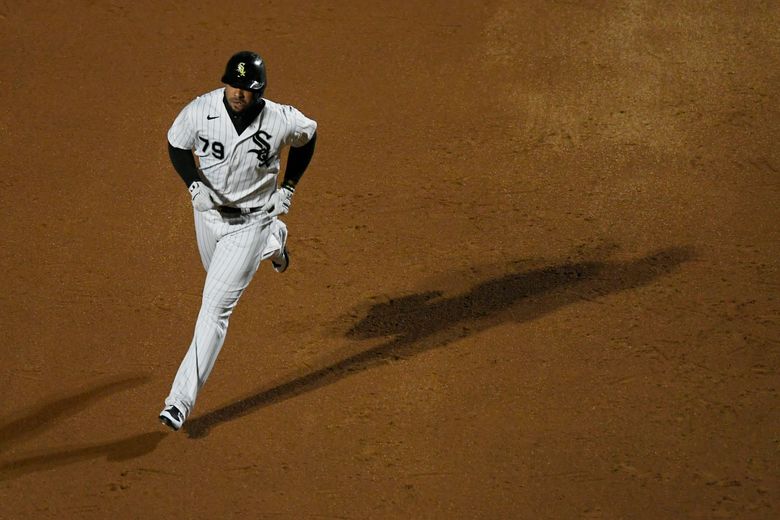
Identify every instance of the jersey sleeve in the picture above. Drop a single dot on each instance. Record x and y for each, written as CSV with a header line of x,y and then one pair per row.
x,y
301,127
182,133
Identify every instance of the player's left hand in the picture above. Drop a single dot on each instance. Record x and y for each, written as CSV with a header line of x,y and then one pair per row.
x,y
280,201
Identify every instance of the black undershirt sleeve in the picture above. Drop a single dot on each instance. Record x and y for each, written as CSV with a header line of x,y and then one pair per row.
x,y
184,164
297,162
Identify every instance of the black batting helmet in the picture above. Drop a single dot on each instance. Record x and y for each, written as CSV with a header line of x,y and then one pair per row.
x,y
245,70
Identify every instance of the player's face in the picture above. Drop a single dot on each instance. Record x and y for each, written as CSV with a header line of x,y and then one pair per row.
x,y
238,99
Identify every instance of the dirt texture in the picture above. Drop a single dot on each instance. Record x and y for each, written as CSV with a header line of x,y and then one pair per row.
x,y
534,270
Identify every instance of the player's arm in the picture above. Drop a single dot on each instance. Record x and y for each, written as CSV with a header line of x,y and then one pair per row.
x,y
184,164
203,198
297,161
181,139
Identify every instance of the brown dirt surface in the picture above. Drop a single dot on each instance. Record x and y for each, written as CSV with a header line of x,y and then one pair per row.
x,y
534,272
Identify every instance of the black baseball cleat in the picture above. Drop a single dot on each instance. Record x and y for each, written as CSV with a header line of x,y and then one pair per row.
x,y
172,418
280,264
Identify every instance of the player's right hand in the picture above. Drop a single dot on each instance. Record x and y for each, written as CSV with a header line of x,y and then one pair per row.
x,y
203,197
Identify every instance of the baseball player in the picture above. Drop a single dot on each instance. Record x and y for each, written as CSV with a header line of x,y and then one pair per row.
x,y
236,136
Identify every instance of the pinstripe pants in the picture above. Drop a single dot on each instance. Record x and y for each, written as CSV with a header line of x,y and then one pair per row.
x,y
231,250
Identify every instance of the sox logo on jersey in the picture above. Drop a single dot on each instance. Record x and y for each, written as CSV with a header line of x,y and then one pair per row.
x,y
262,153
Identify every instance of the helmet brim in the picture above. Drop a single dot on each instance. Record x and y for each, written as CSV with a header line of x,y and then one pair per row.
x,y
253,85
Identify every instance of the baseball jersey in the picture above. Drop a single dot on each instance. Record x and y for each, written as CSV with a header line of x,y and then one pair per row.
x,y
241,169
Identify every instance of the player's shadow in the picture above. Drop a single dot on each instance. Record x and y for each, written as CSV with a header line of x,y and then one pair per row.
x,y
123,449
424,321
30,423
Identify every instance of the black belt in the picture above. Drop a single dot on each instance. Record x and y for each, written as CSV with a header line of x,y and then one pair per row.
x,y
230,210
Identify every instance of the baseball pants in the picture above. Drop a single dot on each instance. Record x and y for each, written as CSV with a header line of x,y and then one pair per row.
x,y
231,250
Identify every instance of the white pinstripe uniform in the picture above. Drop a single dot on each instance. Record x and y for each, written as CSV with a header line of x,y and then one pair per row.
x,y
242,170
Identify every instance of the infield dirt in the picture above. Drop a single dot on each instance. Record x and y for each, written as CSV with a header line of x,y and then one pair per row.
x,y
535,270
